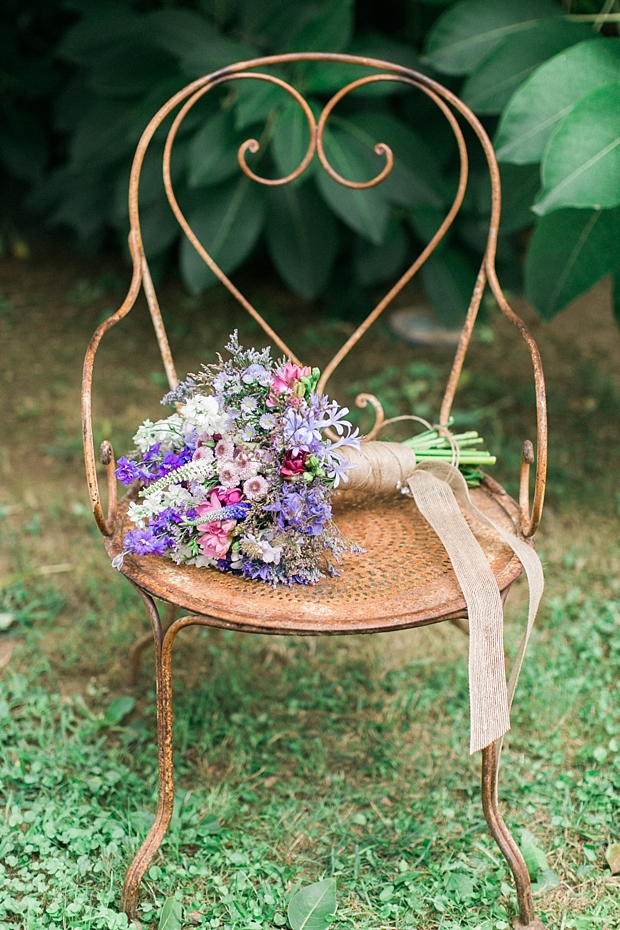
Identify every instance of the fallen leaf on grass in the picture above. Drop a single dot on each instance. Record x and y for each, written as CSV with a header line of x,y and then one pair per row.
x,y
612,854
6,620
535,859
117,711
313,906
171,916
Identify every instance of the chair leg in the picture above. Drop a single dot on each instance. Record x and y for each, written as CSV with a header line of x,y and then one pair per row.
x,y
502,836
135,653
165,805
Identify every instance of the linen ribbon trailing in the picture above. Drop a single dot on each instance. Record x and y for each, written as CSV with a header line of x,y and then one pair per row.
x,y
441,495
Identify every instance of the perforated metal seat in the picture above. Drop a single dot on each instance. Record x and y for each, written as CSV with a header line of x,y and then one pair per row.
x,y
404,578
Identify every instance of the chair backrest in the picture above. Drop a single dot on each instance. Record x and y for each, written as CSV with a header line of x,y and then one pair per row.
x,y
447,102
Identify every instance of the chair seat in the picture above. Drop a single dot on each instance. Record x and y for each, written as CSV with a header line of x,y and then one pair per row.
x,y
403,579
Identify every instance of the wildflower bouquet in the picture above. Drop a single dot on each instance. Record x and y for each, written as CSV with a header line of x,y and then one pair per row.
x,y
240,477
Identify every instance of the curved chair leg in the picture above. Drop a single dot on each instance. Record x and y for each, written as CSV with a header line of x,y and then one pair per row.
x,y
135,653
165,805
502,836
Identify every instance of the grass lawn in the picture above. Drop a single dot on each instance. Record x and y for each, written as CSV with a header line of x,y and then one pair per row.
x,y
297,759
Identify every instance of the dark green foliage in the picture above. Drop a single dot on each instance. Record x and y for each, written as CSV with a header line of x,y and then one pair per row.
x,y
551,80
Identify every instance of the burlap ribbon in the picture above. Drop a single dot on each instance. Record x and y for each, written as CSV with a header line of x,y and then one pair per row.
x,y
441,495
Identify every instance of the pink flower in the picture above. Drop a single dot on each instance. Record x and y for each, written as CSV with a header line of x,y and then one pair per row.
x,y
214,503
255,487
230,495
229,474
284,380
215,540
293,465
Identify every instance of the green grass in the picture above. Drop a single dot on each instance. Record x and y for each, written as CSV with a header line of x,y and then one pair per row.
x,y
299,759
296,759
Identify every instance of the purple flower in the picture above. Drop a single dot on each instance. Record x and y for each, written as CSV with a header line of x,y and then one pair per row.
x,y
127,471
302,507
144,542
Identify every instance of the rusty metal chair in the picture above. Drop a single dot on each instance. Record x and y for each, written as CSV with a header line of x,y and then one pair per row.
x,y
404,579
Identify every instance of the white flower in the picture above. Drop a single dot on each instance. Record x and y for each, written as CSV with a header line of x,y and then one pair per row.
x,y
168,432
248,404
203,413
138,514
269,553
267,421
176,495
201,561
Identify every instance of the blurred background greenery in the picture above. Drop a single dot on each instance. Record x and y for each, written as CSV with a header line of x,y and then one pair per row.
x,y
80,80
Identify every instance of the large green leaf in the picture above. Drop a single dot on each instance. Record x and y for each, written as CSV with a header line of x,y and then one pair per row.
x,y
159,227
491,85
537,107
101,137
23,144
376,263
227,220
214,54
256,100
414,179
129,68
213,151
581,167
448,281
312,907
520,185
329,30
117,710
616,296
569,252
101,29
171,916
178,31
466,33
302,237
319,77
365,211
535,859
290,140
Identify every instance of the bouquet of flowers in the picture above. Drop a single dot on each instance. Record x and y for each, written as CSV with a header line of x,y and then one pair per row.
x,y
240,477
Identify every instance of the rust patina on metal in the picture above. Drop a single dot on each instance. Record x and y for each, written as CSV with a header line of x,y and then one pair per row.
x,y
413,587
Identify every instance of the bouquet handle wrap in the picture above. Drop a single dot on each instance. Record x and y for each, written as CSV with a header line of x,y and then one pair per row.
x,y
440,492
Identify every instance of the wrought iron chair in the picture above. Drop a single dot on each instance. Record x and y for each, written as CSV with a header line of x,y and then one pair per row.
x,y
414,588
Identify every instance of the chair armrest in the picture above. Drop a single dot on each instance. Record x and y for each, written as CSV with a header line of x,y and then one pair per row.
x,y
106,525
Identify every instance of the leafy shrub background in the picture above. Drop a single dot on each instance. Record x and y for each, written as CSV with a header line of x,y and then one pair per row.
x,y
83,78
